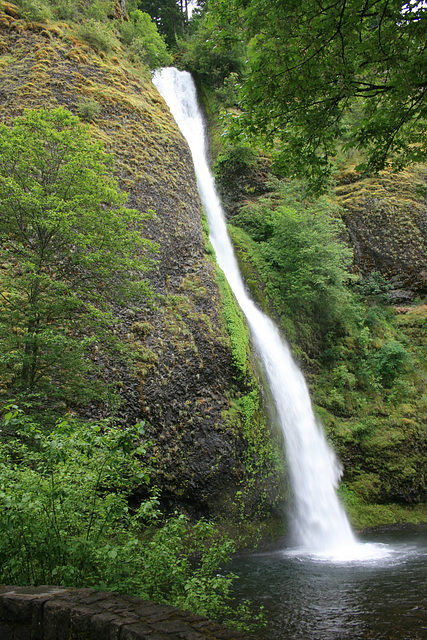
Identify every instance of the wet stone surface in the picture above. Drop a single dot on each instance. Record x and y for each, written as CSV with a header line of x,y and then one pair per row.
x,y
56,613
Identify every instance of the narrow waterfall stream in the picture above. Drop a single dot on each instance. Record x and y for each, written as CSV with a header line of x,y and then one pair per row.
x,y
319,522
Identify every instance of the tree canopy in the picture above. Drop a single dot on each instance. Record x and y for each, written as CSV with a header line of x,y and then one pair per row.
x,y
322,73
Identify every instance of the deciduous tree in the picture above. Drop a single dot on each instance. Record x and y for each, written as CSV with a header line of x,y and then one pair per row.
x,y
68,247
322,71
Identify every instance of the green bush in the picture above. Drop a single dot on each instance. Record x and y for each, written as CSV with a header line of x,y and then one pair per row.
x,y
228,93
71,10
375,288
97,35
144,41
35,10
65,519
64,513
391,360
88,110
66,9
97,9
305,261
234,161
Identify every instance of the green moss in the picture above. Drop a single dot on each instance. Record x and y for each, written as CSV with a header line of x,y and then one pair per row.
x,y
264,290
251,265
194,285
210,251
364,514
5,60
235,324
261,448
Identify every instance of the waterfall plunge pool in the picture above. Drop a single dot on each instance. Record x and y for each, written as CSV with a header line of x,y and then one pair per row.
x,y
309,597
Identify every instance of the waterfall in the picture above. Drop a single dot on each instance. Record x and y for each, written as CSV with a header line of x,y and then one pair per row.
x,y
319,522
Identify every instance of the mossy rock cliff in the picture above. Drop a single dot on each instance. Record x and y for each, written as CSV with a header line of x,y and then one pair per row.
x,y
209,456
386,218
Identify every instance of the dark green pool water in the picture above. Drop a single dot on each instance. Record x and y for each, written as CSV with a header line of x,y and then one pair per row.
x,y
382,596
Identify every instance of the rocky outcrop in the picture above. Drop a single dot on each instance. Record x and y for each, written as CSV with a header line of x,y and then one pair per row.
x,y
386,219
183,384
241,177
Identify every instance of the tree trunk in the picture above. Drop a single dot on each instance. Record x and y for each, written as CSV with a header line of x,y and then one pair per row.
x,y
29,365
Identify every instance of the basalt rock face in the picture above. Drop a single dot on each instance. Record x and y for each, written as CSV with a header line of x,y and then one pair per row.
x,y
386,219
183,384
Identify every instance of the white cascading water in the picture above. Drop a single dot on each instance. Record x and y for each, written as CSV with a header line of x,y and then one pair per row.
x,y
319,522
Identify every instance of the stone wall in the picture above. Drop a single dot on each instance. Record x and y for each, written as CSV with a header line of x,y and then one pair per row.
x,y
57,613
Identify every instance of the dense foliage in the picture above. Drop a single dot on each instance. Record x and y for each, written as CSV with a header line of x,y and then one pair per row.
x,y
308,265
145,43
321,75
70,247
66,519
215,53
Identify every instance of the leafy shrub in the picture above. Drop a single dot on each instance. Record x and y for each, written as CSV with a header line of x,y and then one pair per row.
x,y
66,9
41,10
228,93
97,35
144,41
190,584
391,361
64,513
88,110
35,10
97,9
306,262
65,519
375,288
235,160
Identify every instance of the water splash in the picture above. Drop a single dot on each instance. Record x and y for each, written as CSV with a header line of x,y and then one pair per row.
x,y
320,524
